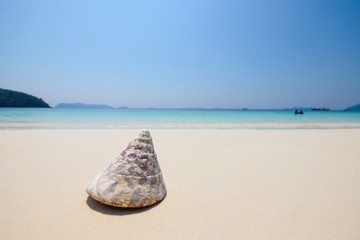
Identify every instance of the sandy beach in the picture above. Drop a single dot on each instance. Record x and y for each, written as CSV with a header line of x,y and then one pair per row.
x,y
222,184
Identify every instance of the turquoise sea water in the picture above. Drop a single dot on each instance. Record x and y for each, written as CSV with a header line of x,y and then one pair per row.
x,y
20,118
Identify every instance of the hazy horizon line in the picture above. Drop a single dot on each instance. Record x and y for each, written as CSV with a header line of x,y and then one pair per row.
x,y
195,108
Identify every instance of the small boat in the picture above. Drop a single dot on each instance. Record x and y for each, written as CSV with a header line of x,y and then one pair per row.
x,y
298,112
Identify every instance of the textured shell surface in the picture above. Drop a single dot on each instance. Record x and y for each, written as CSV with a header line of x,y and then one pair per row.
x,y
133,179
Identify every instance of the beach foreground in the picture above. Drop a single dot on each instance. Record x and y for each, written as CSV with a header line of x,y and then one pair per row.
x,y
222,184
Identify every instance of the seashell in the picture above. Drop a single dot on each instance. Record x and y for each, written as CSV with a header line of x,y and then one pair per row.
x,y
133,180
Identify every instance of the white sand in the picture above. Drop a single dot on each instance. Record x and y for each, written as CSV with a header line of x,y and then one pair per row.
x,y
222,184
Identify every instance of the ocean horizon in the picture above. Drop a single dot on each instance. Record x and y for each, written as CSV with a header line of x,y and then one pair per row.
x,y
57,118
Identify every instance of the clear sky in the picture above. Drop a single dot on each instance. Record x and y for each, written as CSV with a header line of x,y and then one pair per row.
x,y
211,54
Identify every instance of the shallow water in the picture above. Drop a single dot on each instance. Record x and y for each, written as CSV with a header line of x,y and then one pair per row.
x,y
20,118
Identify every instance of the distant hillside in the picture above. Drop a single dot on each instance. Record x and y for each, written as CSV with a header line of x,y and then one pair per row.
x,y
298,108
9,98
353,108
82,105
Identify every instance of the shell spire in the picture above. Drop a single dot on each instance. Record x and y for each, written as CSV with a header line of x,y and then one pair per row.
x,y
133,180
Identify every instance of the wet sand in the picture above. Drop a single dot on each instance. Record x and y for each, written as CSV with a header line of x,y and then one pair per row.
x,y
222,184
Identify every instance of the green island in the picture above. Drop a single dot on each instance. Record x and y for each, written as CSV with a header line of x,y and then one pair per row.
x,y
9,98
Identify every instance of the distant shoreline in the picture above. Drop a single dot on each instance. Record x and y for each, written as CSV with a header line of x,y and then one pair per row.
x,y
151,108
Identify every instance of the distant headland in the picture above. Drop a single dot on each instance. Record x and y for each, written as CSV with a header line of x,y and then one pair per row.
x,y
353,108
14,99
88,106
82,105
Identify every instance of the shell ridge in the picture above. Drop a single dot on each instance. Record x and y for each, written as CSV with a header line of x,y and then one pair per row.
x,y
133,175
97,187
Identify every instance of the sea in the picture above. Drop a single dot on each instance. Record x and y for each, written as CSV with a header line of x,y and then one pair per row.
x,y
56,118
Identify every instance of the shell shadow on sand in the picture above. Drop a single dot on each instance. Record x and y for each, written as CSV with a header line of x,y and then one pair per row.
x,y
110,210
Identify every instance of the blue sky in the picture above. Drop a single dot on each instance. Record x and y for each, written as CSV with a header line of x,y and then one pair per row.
x,y
211,54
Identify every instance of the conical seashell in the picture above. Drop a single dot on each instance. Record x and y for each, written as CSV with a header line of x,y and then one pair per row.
x,y
133,180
